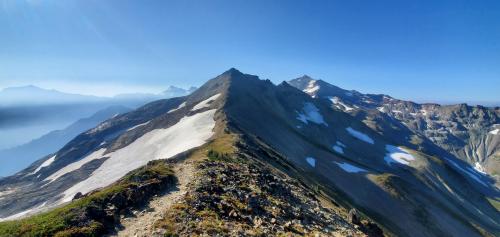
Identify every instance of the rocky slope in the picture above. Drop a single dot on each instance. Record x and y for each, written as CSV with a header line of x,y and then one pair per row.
x,y
470,133
269,160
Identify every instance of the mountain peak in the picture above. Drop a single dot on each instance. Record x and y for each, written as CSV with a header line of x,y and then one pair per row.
x,y
306,77
303,79
234,74
232,71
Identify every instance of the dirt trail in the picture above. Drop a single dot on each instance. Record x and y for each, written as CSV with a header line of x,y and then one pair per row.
x,y
142,223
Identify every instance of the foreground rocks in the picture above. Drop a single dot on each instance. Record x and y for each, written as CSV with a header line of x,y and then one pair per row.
x,y
238,196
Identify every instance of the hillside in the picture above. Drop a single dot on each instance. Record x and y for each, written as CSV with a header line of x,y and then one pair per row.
x,y
256,159
27,153
469,133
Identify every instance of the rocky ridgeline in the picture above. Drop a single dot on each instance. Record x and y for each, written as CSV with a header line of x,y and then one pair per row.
x,y
238,196
462,130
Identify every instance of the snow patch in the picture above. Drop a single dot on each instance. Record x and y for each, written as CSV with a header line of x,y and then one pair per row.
x,y
381,109
387,97
311,161
495,132
478,167
138,125
189,132
311,87
397,155
339,147
367,100
32,210
311,114
349,168
336,100
348,93
178,107
75,165
44,164
205,103
16,216
99,127
359,135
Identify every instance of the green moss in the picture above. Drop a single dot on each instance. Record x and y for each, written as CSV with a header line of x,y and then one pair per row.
x,y
61,221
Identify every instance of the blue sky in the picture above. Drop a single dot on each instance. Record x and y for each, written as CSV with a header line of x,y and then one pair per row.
x,y
446,51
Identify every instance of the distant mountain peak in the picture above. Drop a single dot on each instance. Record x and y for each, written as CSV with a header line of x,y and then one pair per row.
x,y
232,70
23,88
174,91
305,77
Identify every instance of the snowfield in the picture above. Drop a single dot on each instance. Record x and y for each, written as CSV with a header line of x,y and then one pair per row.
x,y
189,132
349,168
381,109
17,215
44,164
178,107
495,132
75,165
359,135
205,103
397,155
32,210
311,161
311,114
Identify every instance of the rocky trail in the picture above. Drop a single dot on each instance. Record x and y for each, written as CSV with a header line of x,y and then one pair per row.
x,y
142,221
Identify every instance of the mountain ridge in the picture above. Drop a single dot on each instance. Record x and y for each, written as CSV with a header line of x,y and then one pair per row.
x,y
460,128
406,188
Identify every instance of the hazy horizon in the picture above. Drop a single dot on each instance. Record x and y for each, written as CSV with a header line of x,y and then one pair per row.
x,y
137,90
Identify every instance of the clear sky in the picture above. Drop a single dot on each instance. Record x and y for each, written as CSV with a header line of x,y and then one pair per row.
x,y
419,50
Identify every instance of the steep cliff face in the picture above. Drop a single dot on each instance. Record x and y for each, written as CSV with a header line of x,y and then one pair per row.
x,y
268,159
